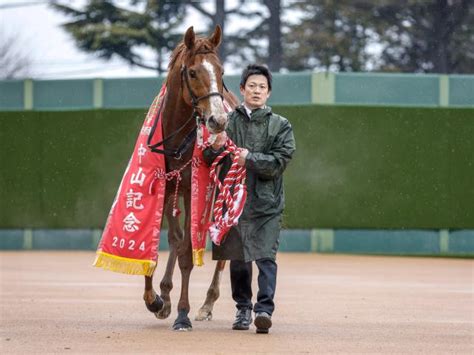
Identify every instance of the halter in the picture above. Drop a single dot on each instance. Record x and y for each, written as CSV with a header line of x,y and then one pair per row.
x,y
189,139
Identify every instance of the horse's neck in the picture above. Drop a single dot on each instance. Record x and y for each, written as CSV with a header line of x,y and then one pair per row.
x,y
175,114
231,99
175,111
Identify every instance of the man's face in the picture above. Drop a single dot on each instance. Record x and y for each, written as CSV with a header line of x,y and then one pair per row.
x,y
256,91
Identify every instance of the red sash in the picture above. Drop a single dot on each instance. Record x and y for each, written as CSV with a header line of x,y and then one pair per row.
x,y
131,235
201,199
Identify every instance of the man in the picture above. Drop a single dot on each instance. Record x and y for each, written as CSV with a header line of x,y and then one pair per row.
x,y
268,145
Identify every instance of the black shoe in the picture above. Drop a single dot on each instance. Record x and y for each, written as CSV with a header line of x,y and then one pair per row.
x,y
243,318
263,322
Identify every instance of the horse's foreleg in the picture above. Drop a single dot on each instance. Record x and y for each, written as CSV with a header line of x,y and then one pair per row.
x,y
161,306
166,285
175,235
205,312
185,262
153,302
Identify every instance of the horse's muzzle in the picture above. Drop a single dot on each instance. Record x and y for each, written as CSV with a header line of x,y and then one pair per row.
x,y
216,126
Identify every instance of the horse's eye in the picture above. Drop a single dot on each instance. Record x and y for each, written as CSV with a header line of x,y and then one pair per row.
x,y
192,74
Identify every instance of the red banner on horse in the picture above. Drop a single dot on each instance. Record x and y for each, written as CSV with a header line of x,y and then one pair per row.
x,y
131,235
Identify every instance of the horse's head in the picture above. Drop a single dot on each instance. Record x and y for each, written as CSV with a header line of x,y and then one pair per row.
x,y
202,84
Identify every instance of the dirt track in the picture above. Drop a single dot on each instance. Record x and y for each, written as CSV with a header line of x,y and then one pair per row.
x,y
55,302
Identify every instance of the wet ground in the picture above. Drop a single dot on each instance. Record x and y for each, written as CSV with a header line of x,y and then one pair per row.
x,y
56,302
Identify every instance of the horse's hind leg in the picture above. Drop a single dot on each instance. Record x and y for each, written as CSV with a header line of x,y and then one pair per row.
x,y
205,312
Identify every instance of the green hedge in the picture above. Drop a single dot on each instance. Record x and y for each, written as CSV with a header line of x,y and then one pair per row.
x,y
355,167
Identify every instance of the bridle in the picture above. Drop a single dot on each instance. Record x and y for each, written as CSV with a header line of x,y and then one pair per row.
x,y
196,115
194,99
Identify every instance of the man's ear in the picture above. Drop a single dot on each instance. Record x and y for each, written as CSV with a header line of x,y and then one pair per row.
x,y
189,38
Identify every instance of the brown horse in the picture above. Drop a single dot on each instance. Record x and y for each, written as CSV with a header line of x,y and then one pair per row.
x,y
195,89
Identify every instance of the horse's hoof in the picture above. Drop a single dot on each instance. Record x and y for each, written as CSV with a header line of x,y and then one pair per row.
x,y
183,329
203,315
156,306
182,323
165,312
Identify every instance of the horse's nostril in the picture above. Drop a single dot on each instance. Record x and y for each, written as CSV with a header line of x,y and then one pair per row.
x,y
212,121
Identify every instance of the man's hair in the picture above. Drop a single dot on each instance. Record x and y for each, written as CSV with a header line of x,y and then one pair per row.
x,y
255,69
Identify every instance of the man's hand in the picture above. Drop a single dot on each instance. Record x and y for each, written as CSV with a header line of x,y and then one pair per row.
x,y
242,156
221,138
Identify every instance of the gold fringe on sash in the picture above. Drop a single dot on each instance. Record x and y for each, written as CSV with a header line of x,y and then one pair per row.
x,y
198,257
124,265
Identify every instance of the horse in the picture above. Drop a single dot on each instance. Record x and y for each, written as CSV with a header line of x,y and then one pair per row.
x,y
194,87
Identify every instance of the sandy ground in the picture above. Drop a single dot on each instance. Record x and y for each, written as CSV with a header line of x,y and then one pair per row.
x,y
55,302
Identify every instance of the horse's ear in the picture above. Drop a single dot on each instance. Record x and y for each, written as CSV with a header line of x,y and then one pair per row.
x,y
189,38
216,37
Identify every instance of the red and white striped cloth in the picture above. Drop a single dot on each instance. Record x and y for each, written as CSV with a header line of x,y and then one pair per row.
x,y
232,194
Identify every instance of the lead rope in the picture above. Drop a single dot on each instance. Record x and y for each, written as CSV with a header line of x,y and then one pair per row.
x,y
162,175
235,201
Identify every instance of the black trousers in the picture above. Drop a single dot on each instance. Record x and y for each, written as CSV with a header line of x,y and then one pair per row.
x,y
241,283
